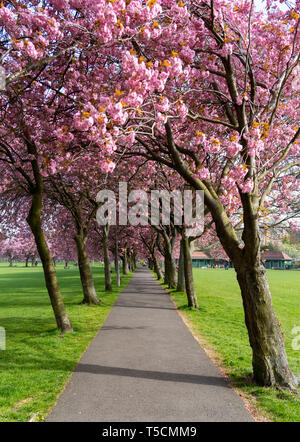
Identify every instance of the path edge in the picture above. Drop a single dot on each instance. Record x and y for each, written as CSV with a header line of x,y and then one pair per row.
x,y
83,353
257,414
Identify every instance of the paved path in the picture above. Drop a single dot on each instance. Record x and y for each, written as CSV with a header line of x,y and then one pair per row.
x,y
145,365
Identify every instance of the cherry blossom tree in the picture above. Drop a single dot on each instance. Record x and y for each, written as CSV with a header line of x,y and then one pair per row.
x,y
206,88
218,105
42,51
225,120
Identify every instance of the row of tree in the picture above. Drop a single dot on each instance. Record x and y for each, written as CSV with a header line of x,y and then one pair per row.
x,y
160,93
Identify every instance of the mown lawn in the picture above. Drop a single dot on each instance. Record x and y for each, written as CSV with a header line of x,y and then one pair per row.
x,y
37,363
221,322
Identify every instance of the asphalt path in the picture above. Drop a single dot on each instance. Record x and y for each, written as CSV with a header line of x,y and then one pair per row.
x,y
144,365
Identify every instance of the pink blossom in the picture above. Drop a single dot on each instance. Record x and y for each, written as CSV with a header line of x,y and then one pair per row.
x,y
82,122
182,110
107,166
226,50
203,174
163,105
233,149
31,50
213,146
247,187
161,118
187,54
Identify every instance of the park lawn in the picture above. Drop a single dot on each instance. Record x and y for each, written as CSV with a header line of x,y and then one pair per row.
x,y
220,322
37,363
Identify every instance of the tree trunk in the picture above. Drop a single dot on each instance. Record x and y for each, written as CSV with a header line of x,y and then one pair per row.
x,y
88,287
125,262
170,272
117,267
180,277
269,360
129,262
188,274
156,267
170,267
134,261
167,251
172,282
166,270
270,365
108,284
26,262
34,221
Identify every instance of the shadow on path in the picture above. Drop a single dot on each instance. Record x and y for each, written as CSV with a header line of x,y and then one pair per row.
x,y
156,375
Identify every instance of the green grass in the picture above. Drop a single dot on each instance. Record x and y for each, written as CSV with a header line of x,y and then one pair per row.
x,y
221,322
37,363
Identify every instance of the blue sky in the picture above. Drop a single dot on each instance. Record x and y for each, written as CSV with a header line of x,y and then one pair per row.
x,y
261,5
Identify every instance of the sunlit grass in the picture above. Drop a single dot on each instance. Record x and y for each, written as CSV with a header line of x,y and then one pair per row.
x,y
37,363
221,322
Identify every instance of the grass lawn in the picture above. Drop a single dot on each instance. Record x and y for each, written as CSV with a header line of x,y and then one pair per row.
x,y
221,322
36,364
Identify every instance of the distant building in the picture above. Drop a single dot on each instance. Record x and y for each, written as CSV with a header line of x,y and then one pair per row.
x,y
202,259
271,259
275,259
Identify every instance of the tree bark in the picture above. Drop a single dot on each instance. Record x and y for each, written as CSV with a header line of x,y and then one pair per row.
x,y
125,262
188,273
269,361
156,267
166,270
129,261
34,221
180,276
133,261
88,287
170,267
117,266
270,365
169,238
108,284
